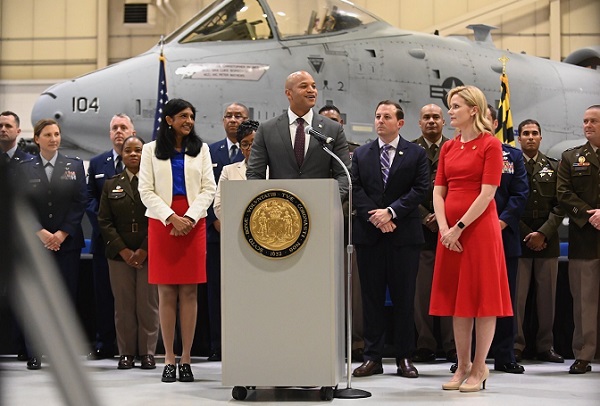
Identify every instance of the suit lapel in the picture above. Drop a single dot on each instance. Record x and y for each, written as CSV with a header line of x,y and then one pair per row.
x,y
223,153
283,129
59,168
398,157
109,166
241,169
373,161
313,144
124,182
39,170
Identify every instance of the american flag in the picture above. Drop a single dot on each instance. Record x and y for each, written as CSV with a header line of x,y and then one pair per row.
x,y
162,98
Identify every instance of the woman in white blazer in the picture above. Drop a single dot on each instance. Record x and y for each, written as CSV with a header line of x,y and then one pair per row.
x,y
237,171
177,186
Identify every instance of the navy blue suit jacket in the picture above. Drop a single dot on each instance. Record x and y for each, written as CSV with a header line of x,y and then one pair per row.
x,y
511,198
219,154
101,168
59,204
407,186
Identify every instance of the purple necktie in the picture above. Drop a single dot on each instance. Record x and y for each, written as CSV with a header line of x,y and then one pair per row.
x,y
384,158
299,142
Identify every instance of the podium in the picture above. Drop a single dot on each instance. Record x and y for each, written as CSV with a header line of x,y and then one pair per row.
x,y
282,309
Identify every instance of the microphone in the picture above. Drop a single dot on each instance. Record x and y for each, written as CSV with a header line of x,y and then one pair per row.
x,y
319,137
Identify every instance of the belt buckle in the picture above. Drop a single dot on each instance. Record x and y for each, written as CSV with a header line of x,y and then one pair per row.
x,y
134,227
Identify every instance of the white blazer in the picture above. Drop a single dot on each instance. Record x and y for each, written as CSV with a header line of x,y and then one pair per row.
x,y
235,171
156,183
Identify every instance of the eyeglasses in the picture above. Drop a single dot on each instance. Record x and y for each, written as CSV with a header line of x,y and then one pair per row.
x,y
246,145
235,116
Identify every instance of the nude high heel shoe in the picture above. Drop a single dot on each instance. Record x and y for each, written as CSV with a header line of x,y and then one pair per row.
x,y
476,387
454,385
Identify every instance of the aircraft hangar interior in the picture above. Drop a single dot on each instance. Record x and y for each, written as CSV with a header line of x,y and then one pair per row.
x,y
80,62
46,42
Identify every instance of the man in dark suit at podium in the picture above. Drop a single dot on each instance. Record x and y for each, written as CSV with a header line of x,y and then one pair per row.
x,y
282,145
390,179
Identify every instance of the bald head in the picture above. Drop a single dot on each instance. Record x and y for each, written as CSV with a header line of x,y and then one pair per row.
x,y
301,91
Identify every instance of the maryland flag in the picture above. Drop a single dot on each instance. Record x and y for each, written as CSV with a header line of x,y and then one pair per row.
x,y
162,97
504,131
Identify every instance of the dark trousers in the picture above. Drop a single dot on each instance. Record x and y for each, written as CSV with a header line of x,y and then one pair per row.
x,y
105,305
67,263
506,327
382,266
213,281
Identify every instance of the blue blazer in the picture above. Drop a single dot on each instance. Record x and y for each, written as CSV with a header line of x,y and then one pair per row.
x,y
60,203
219,154
407,186
101,168
511,198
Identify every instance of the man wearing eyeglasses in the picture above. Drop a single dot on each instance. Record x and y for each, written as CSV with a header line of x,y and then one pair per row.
x,y
222,153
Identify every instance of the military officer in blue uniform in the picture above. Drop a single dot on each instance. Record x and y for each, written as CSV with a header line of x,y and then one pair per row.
x,y
511,198
55,187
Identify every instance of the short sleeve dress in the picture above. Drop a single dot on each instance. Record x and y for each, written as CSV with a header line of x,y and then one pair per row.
x,y
472,283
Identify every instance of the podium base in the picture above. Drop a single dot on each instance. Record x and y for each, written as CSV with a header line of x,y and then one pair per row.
x,y
351,393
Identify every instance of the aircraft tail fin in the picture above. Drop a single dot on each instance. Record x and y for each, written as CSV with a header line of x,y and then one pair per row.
x,y
483,33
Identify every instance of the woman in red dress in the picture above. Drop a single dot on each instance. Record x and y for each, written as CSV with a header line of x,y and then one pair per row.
x,y
177,187
469,281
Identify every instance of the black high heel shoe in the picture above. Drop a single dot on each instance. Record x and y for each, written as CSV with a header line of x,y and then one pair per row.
x,y
168,374
185,373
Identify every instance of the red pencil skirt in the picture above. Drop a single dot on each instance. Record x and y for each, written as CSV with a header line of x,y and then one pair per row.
x,y
176,260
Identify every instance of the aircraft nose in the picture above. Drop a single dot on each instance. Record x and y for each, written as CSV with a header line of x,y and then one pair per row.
x,y
45,107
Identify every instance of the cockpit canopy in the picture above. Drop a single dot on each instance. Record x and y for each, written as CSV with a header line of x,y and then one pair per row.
x,y
240,20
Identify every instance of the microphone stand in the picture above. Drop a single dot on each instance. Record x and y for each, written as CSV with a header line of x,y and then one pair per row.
x,y
348,392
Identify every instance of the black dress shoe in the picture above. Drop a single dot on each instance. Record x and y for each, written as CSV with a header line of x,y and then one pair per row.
x,y
451,356
148,361
406,369
358,355
34,363
368,368
423,355
550,356
185,373
168,374
215,356
454,367
510,367
580,367
99,354
126,362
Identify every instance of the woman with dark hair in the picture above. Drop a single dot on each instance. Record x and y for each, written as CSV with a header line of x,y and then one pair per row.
x,y
124,228
177,186
55,186
237,171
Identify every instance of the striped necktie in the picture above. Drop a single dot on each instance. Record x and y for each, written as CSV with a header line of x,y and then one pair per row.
x,y
384,158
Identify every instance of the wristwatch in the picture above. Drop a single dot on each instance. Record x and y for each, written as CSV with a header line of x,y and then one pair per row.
x,y
460,224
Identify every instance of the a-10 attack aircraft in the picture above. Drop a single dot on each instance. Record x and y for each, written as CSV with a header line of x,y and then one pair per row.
x,y
242,50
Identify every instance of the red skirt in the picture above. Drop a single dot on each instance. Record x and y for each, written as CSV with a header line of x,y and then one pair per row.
x,y
176,260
